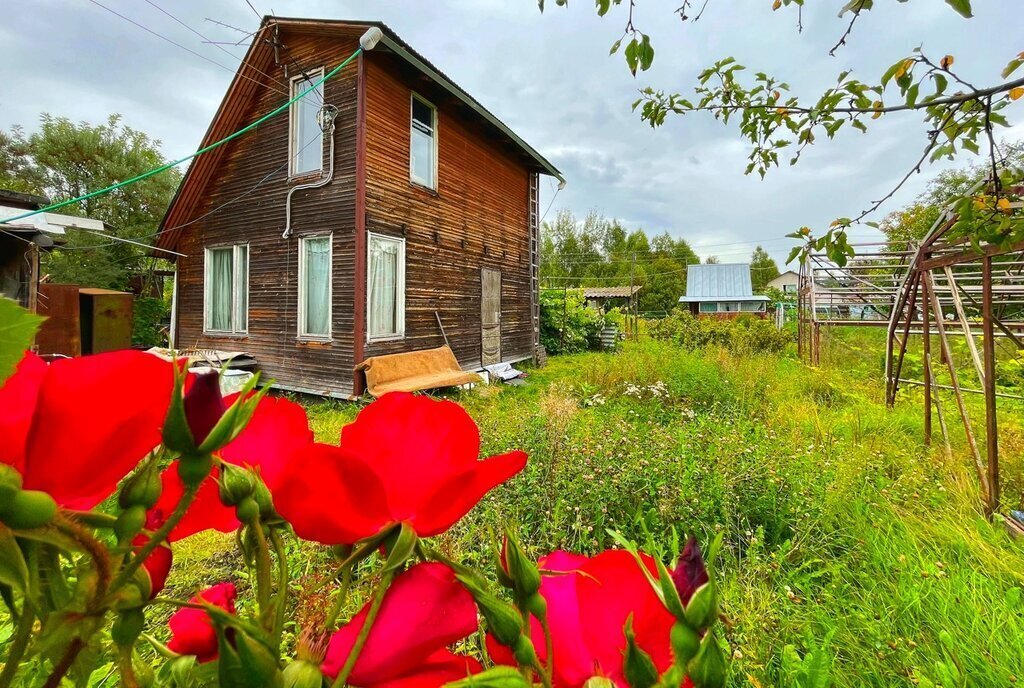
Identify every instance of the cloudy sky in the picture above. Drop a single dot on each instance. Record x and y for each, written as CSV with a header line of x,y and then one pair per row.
x,y
551,79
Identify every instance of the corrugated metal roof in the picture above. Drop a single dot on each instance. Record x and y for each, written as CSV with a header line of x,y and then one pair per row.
x,y
609,292
718,280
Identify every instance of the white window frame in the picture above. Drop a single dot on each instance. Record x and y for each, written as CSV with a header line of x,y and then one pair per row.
x,y
427,184
238,314
320,337
399,288
294,145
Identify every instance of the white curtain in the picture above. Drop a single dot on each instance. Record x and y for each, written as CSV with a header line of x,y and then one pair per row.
x,y
318,286
382,282
221,279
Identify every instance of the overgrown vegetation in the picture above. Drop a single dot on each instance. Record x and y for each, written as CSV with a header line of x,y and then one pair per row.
x,y
855,555
567,325
743,335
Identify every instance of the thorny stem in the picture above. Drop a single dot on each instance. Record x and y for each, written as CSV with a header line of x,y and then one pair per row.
x,y
549,643
22,635
339,600
158,536
64,665
125,668
346,567
96,551
364,631
282,582
263,584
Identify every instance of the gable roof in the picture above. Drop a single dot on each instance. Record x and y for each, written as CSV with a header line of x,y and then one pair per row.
x,y
259,58
719,282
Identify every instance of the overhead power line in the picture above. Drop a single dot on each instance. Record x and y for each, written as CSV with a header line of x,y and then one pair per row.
x,y
179,45
215,44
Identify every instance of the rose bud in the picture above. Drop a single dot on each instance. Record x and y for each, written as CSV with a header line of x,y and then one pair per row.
x,y
204,405
142,488
708,669
495,677
236,484
690,572
639,668
520,569
304,672
192,630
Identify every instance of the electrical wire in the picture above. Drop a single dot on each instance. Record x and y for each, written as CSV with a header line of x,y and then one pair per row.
x,y
215,44
204,149
175,43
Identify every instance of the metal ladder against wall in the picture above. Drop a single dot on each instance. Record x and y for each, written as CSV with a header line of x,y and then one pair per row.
x,y
534,215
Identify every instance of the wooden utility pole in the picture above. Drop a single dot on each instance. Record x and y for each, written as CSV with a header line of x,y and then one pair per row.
x,y
632,271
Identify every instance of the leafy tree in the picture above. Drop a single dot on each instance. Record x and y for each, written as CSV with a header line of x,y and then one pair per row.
x,y
763,269
913,221
601,252
65,160
957,114
712,260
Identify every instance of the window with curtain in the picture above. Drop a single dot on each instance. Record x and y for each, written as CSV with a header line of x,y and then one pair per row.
x,y
306,145
227,289
708,307
315,286
423,149
385,287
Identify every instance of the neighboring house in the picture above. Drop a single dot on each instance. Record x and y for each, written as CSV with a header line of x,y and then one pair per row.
x,y
21,242
788,282
425,217
602,298
721,290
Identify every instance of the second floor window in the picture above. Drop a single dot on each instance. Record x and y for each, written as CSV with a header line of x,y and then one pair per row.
x,y
423,149
227,290
306,138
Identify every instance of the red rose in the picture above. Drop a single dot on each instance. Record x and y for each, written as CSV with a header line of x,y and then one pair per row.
x,y
423,612
78,426
589,601
275,432
192,631
406,459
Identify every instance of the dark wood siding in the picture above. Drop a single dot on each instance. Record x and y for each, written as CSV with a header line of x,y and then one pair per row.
x,y
478,217
257,216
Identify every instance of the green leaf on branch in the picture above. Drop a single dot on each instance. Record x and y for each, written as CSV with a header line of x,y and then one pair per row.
x,y
17,331
963,7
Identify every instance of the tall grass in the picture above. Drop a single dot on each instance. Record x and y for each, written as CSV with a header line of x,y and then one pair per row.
x,y
855,555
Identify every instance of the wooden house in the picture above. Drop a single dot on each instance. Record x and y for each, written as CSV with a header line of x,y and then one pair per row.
x,y
723,291
384,206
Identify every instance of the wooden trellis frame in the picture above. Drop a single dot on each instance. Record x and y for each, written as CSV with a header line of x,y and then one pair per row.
x,y
940,287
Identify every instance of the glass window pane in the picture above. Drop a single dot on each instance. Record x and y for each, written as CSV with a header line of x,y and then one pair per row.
x,y
382,296
708,307
220,289
317,286
422,115
422,161
307,137
242,299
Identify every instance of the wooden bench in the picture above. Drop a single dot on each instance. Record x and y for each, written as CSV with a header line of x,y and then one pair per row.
x,y
414,371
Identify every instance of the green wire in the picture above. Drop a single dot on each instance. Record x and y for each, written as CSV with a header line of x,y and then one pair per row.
x,y
205,149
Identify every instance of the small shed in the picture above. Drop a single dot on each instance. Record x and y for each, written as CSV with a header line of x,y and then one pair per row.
x,y
722,290
603,297
21,241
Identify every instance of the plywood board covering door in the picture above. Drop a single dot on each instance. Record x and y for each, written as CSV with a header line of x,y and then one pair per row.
x,y
490,316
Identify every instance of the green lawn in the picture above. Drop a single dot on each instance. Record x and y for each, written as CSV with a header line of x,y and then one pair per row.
x,y
846,541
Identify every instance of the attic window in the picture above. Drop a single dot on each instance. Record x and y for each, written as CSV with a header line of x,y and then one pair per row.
x,y
423,149
306,138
